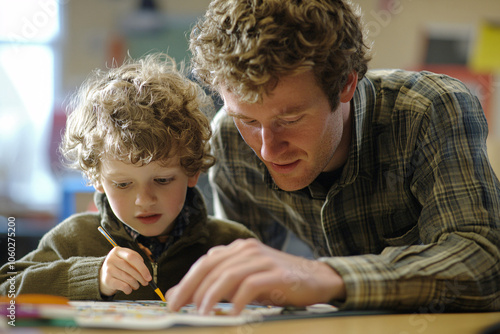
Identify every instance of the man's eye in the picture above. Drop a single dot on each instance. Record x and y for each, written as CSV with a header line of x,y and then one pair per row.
x,y
291,120
121,185
249,122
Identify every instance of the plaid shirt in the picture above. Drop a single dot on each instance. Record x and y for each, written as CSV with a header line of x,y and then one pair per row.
x,y
412,221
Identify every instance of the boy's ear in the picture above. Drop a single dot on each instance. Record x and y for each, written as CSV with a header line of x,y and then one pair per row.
x,y
193,180
98,186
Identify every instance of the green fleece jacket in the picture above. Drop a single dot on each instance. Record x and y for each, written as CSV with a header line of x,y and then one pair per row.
x,y
69,257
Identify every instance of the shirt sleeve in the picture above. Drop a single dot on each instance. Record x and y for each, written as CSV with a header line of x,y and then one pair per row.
x,y
54,269
457,264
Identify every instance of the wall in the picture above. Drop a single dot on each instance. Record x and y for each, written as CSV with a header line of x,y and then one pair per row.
x,y
398,36
92,26
396,29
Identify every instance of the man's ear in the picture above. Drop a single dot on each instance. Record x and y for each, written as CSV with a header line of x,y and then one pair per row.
x,y
193,180
349,88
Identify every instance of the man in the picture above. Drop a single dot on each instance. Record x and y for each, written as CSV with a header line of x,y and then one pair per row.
x,y
383,173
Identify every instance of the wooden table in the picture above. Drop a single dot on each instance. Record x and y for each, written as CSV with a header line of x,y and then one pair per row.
x,y
428,323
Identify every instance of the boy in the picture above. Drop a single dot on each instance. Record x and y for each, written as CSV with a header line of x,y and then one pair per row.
x,y
138,135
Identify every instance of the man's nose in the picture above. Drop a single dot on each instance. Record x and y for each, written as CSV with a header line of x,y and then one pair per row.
x,y
273,143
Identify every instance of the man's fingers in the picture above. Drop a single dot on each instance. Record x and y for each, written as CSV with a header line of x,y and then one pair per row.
x,y
260,287
223,280
184,292
226,280
246,271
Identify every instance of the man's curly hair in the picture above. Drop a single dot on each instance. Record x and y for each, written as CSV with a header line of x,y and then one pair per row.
x,y
247,45
143,111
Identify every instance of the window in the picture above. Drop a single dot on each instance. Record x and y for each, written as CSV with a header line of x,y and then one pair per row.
x,y
28,32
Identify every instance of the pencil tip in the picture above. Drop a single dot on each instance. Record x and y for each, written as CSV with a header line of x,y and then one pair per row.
x,y
160,294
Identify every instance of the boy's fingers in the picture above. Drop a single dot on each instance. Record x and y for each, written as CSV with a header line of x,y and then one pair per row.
x,y
126,287
127,279
132,263
113,279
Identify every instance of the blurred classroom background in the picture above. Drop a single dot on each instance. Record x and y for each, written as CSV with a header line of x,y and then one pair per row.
x,y
48,47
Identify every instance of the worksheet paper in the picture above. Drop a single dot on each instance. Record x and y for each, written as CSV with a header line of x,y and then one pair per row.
x,y
151,315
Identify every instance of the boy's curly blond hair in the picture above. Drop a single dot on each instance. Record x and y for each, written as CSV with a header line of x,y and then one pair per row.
x,y
142,111
247,45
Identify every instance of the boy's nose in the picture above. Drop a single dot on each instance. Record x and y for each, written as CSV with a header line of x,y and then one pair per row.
x,y
145,198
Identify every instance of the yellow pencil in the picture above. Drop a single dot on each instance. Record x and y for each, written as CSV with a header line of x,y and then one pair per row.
x,y
113,242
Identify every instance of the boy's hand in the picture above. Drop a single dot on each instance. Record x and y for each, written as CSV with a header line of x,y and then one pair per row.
x,y
122,270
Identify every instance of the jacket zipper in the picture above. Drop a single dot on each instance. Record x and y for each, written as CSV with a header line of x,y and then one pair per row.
x,y
154,265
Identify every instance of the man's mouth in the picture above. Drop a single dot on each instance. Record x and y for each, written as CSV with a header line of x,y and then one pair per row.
x,y
284,168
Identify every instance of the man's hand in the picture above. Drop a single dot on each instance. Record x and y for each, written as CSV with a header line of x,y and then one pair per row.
x,y
247,271
122,270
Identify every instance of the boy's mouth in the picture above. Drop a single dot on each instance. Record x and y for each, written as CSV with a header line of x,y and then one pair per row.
x,y
149,218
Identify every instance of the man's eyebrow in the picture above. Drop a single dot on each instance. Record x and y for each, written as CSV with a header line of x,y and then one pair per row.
x,y
233,114
289,112
293,110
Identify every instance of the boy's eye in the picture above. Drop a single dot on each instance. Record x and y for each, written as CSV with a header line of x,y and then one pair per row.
x,y
121,185
164,180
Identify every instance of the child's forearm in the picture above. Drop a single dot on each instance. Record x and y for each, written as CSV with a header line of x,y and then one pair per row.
x,y
74,278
